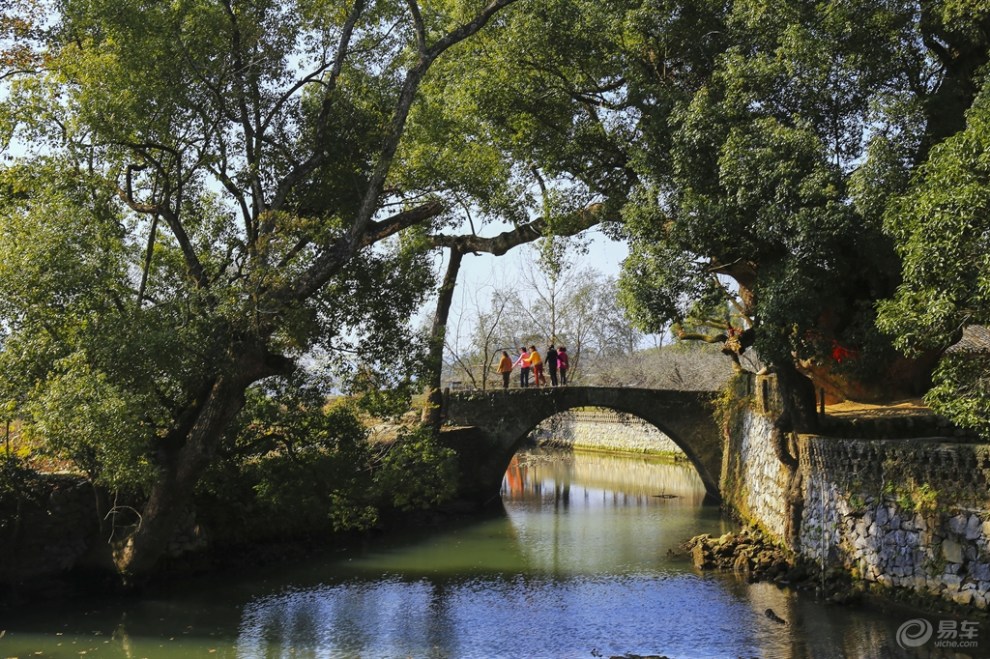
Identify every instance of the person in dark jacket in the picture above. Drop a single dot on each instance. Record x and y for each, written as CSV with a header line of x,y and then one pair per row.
x,y
551,362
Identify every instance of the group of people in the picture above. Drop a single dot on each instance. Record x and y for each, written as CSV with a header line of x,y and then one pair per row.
x,y
556,361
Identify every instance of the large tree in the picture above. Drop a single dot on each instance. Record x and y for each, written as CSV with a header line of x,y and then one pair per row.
x,y
217,186
942,229
759,142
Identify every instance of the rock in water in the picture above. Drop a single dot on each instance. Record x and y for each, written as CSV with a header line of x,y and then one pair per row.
x,y
773,616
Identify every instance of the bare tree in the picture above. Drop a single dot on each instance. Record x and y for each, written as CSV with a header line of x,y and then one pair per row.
x,y
458,246
565,304
472,344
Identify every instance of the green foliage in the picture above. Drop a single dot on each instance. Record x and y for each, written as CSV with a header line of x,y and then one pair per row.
x,y
925,499
83,417
910,496
416,472
942,232
752,141
300,466
961,391
212,193
92,378
18,484
381,393
730,400
296,466
211,198
17,480
362,324
523,89
661,284
757,188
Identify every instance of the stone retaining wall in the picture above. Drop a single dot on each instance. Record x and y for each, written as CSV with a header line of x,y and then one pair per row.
x,y
754,480
603,430
911,514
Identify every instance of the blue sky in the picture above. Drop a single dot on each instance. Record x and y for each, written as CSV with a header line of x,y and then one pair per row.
x,y
482,274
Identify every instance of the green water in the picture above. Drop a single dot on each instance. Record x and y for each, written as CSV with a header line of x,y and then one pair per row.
x,y
576,565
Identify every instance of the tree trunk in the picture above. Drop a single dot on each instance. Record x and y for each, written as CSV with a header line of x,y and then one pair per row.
x,y
495,245
798,394
434,397
962,55
184,464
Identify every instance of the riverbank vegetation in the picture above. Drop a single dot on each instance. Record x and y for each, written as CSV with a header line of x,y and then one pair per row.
x,y
200,199
294,470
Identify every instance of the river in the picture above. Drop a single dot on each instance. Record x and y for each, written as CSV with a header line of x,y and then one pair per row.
x,y
578,564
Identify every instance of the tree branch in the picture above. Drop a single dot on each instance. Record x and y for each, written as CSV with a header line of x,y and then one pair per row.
x,y
382,229
503,242
392,225
418,24
319,154
466,30
334,258
250,125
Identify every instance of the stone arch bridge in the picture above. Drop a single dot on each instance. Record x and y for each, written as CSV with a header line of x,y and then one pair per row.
x,y
487,428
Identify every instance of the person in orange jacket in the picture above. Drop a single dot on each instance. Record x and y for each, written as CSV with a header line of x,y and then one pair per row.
x,y
524,365
505,368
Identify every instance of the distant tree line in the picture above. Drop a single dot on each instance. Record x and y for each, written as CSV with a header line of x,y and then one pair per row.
x,y
572,306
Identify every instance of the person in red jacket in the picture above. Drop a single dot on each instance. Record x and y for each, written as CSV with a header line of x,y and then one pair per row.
x,y
562,364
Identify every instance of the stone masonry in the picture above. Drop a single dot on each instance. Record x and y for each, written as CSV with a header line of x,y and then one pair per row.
x,y
604,430
754,481
501,421
909,514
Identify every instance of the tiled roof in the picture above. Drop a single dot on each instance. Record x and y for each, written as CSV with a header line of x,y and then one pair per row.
x,y
975,338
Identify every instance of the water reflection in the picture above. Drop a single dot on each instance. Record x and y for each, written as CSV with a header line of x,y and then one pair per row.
x,y
598,514
516,617
576,565
634,480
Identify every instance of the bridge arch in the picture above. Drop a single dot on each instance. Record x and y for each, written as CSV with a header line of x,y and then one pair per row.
x,y
501,420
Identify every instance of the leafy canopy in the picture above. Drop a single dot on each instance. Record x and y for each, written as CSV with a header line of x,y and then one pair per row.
x,y
214,190
942,229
